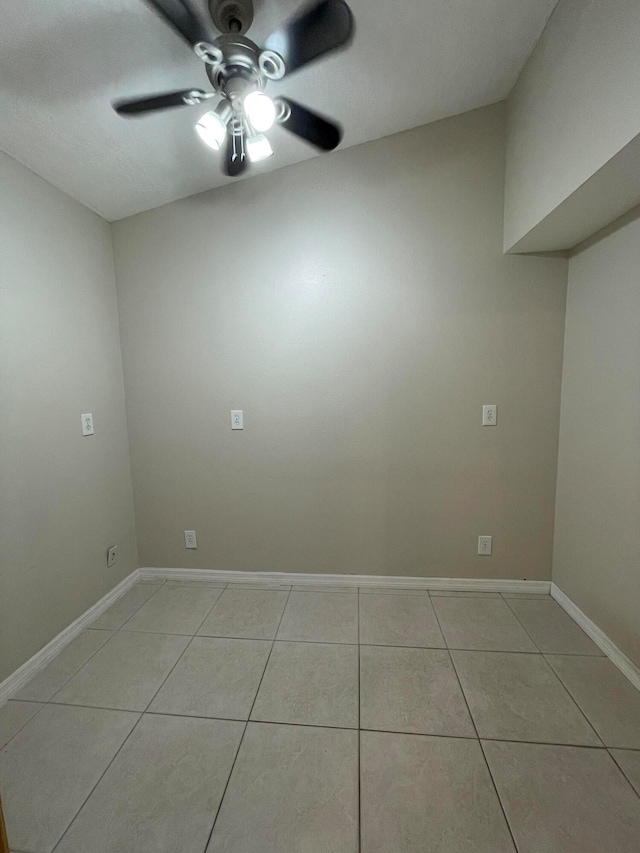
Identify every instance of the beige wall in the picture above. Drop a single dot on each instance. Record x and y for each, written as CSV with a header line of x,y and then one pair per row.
x,y
574,108
597,532
359,309
63,498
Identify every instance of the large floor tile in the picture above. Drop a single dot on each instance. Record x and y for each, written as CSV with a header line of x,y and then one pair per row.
x,y
246,613
161,793
481,623
47,682
125,673
629,762
322,617
214,678
519,697
310,683
15,716
126,606
564,799
50,767
399,620
609,700
423,794
292,789
411,690
175,609
553,630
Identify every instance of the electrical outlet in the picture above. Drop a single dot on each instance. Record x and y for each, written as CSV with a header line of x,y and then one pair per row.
x,y
484,545
490,415
87,423
237,419
190,539
112,556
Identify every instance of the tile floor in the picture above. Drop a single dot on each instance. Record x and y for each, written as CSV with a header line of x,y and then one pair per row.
x,y
212,718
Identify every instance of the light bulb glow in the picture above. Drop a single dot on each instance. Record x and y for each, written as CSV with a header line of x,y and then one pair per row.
x,y
258,148
211,130
260,110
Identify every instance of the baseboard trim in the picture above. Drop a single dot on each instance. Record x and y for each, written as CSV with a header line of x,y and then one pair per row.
x,y
303,579
11,685
615,655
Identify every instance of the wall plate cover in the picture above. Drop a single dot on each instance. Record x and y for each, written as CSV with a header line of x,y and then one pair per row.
x,y
112,556
237,419
485,544
490,415
87,423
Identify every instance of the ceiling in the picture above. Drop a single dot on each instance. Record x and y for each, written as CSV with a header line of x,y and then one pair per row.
x,y
63,62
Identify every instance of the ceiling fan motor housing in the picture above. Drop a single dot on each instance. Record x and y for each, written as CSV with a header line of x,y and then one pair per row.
x,y
239,72
231,16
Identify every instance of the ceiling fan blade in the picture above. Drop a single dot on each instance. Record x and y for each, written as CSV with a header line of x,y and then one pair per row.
x,y
234,160
182,98
314,128
318,29
179,16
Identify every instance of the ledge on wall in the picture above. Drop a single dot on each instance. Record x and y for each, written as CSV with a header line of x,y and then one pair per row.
x,y
607,195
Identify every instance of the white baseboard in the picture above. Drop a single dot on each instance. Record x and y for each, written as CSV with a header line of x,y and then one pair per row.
x,y
303,579
615,655
11,685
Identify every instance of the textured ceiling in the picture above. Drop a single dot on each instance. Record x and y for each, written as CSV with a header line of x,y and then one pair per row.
x,y
63,61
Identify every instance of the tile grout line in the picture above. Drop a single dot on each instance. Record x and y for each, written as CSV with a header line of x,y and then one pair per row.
x,y
184,651
124,626
574,698
342,728
129,618
88,627
517,618
86,799
621,769
118,710
246,723
335,643
575,702
475,728
15,734
495,788
62,686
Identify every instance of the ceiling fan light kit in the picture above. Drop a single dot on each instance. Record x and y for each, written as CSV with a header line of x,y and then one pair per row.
x,y
239,71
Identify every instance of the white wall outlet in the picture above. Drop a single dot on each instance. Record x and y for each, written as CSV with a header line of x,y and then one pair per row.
x,y
87,423
237,419
484,545
490,415
112,556
190,540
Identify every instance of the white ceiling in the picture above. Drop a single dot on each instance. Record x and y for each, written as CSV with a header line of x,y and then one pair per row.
x,y
63,61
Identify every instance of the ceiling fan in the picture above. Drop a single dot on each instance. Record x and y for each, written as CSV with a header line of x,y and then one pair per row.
x,y
239,71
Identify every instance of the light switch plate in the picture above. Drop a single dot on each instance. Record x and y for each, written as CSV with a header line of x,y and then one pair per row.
x,y
490,415
237,419
87,423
